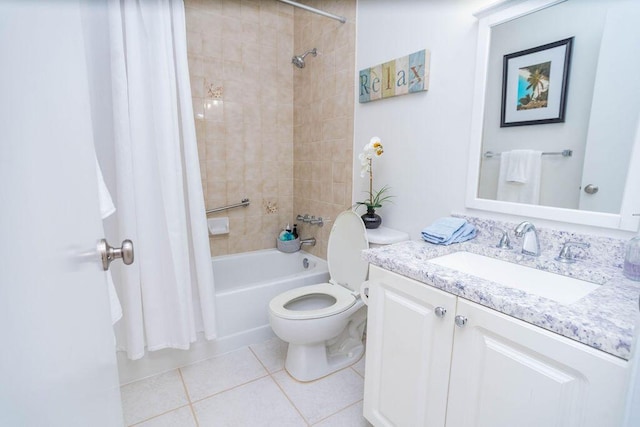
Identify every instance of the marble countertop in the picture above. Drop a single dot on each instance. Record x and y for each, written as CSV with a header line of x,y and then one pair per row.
x,y
604,319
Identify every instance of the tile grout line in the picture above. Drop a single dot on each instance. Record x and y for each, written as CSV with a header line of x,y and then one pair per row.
x,y
280,388
186,391
356,371
159,415
338,411
229,389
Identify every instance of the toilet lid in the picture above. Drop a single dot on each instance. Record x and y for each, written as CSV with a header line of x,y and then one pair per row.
x,y
347,240
343,300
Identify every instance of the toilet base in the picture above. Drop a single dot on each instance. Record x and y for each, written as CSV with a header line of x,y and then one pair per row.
x,y
311,362
308,362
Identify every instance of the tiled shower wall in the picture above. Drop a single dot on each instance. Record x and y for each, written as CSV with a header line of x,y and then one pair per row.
x,y
323,116
245,92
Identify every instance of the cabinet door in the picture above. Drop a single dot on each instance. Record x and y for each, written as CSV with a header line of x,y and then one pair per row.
x,y
408,351
506,372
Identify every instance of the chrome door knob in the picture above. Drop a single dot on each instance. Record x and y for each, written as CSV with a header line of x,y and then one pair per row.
x,y
461,320
108,253
591,189
440,311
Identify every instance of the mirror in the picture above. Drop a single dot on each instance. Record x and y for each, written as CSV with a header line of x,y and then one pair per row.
x,y
599,134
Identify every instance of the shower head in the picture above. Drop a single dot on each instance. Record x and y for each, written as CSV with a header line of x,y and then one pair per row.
x,y
298,60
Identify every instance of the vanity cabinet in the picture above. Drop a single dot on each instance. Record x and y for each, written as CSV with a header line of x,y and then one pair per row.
x,y
473,366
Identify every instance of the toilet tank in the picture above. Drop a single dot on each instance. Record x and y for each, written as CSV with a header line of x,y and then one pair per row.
x,y
382,236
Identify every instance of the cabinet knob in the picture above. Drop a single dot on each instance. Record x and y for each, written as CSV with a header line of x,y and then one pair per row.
x,y
460,320
440,311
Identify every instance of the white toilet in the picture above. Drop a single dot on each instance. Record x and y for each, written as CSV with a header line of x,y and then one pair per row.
x,y
324,323
383,236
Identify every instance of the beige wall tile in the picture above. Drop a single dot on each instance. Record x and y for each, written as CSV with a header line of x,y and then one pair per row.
x,y
282,136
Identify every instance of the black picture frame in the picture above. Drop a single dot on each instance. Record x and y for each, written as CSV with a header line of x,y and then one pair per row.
x,y
535,83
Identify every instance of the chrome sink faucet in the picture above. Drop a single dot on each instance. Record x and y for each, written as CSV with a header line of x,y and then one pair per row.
x,y
530,243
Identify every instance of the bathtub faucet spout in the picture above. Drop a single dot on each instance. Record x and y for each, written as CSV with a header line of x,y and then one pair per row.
x,y
310,241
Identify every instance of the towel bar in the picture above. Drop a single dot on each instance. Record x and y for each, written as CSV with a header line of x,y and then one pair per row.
x,y
563,153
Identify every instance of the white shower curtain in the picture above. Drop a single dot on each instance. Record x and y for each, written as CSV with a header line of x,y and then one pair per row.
x,y
167,293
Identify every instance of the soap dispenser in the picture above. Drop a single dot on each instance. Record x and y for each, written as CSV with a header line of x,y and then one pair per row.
x,y
631,267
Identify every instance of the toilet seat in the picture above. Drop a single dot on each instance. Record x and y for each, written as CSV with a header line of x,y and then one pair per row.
x,y
344,300
347,269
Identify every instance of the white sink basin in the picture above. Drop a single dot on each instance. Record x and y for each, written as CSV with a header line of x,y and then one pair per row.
x,y
559,288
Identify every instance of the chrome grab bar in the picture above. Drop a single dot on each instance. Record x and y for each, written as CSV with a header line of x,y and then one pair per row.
x,y
244,202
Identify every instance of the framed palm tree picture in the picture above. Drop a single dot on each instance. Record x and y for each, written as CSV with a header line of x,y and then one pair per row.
x,y
534,84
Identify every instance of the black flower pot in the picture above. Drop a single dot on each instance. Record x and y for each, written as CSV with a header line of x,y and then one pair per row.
x,y
371,219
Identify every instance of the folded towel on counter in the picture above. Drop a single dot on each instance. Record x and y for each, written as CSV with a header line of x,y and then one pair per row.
x,y
448,230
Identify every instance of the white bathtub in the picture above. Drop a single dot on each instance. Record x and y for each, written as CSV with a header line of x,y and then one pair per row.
x,y
245,283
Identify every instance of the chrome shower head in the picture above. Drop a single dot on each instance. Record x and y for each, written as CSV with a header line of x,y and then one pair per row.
x,y
298,60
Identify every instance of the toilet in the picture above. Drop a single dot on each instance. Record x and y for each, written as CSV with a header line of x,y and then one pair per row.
x,y
324,323
383,236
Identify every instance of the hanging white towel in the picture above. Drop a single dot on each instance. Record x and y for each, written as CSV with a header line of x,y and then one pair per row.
x,y
517,164
519,179
107,208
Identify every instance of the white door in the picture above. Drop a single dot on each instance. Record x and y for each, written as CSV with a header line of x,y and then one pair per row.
x,y
505,372
57,362
408,351
614,116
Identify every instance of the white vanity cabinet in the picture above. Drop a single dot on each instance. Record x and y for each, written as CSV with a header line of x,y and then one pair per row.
x,y
490,370
506,372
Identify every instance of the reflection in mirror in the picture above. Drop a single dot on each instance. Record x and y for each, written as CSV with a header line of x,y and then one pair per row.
x,y
602,109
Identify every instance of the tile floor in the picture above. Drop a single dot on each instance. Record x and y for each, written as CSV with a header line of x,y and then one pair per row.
x,y
247,387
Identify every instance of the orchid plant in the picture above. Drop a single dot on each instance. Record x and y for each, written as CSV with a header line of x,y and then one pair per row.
x,y
372,149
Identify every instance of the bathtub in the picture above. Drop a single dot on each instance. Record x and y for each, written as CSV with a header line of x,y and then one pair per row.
x,y
245,283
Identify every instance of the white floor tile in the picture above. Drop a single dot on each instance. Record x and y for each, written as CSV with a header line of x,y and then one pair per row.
x,y
321,398
350,417
182,417
221,373
152,396
271,353
360,365
259,403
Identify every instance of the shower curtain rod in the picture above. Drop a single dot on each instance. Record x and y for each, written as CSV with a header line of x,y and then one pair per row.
x,y
314,10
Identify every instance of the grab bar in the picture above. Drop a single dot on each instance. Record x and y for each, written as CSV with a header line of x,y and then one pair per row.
x,y
563,153
244,202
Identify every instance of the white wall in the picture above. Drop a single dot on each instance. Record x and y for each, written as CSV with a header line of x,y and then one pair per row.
x,y
425,135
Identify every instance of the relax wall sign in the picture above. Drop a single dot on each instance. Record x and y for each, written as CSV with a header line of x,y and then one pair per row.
x,y
397,77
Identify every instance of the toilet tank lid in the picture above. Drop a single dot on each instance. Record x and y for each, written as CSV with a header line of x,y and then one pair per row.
x,y
386,236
